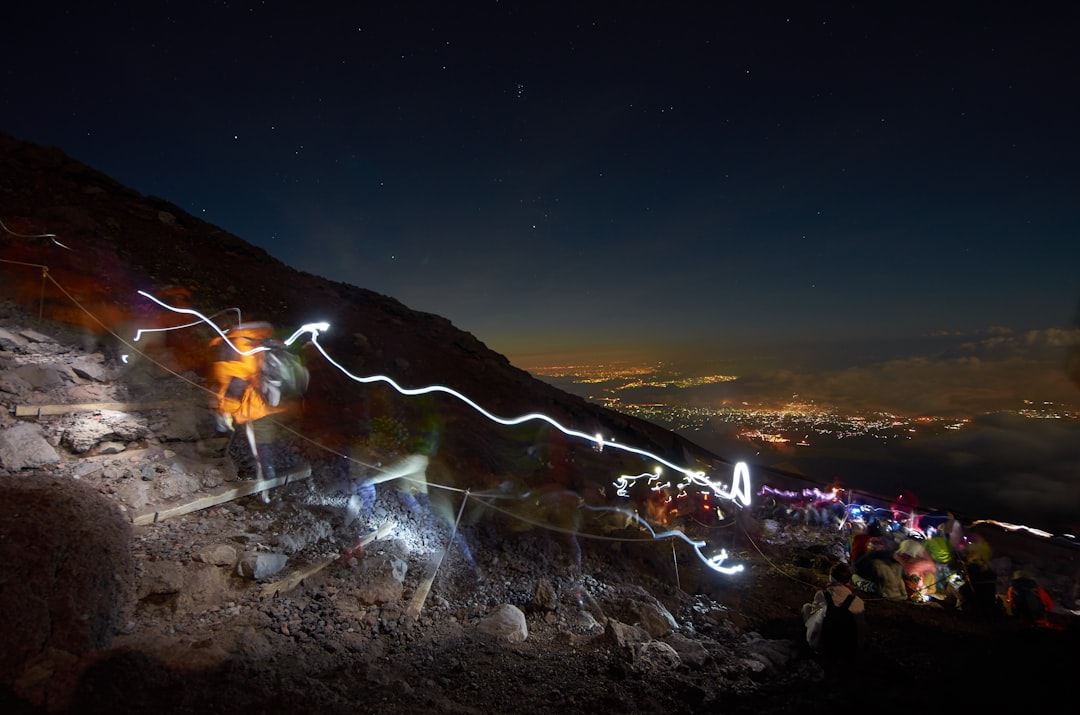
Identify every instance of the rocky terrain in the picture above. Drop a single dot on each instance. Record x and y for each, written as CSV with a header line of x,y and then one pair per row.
x,y
143,570
272,606
420,617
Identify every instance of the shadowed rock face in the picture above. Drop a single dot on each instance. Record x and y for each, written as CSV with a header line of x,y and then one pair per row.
x,y
68,575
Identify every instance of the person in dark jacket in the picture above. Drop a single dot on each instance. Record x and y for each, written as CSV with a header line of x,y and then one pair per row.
x,y
1028,600
838,590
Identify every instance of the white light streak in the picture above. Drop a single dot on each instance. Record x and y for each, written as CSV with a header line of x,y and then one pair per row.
x,y
623,483
140,331
50,236
715,562
740,489
740,485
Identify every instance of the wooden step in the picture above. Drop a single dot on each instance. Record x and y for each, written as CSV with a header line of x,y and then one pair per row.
x,y
217,495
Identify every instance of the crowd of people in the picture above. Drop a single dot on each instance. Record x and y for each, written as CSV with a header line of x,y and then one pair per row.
x,y
903,557
896,553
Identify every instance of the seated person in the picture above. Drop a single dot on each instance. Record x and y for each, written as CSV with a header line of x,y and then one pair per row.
x,y
835,619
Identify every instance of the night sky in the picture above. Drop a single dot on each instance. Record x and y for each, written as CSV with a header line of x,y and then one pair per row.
x,y
870,205
752,186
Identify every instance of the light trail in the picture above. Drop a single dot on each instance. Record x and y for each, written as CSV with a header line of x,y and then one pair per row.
x,y
714,562
622,484
51,236
740,484
740,489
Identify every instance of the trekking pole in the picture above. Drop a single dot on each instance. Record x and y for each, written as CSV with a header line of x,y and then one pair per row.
x,y
676,560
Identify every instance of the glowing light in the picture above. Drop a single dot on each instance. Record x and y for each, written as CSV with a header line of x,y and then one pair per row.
x,y
1014,527
766,489
313,328
715,562
623,483
139,332
50,236
863,513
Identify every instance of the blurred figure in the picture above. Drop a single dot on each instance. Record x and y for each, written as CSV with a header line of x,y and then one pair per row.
x,y
980,593
876,568
254,378
858,543
948,577
1028,600
920,571
905,509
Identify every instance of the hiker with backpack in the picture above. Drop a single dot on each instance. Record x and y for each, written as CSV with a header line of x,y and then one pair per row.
x,y
1028,600
836,619
255,378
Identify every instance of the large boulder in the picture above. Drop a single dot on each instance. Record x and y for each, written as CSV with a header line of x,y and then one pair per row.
x,y
24,446
66,571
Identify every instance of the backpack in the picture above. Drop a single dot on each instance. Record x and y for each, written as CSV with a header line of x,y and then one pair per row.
x,y
1026,600
282,376
839,632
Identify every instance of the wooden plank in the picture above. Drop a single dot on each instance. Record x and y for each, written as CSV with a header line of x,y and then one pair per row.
x,y
293,580
215,496
421,593
416,603
42,410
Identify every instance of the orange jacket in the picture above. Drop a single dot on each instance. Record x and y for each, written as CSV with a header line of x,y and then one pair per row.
x,y
234,376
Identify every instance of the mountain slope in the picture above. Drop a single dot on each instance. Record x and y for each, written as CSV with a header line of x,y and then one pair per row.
x,y
120,242
616,620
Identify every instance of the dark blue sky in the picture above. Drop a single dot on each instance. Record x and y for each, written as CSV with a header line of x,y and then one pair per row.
x,y
738,181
